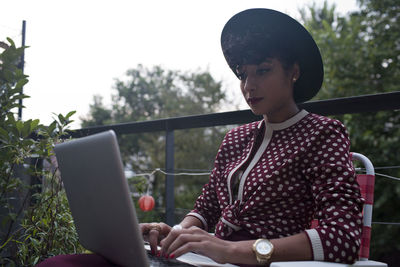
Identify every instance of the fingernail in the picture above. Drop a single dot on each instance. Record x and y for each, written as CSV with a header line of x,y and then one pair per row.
x,y
158,254
166,256
171,256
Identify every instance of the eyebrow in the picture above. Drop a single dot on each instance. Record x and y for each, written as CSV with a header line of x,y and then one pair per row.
x,y
267,60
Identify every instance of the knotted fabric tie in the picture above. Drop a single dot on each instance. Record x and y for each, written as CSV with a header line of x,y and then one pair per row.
x,y
229,221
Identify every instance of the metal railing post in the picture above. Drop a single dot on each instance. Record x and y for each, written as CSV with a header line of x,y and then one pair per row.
x,y
169,181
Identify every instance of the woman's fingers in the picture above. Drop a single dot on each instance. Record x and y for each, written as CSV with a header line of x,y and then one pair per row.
x,y
204,244
153,233
153,240
178,238
180,241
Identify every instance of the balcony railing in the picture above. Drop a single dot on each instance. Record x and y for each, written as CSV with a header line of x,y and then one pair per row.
x,y
348,105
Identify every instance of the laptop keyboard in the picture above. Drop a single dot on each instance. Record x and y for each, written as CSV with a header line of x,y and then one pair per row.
x,y
162,262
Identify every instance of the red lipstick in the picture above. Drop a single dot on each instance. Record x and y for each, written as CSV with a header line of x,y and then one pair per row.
x,y
254,100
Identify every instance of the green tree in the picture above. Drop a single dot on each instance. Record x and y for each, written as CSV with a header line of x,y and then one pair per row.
x,y
361,56
149,94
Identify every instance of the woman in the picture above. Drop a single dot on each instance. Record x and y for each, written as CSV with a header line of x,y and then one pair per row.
x,y
272,177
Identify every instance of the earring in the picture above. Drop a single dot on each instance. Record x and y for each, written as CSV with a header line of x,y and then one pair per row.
x,y
294,79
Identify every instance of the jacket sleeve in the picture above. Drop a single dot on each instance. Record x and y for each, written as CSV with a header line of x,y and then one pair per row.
x,y
207,206
337,196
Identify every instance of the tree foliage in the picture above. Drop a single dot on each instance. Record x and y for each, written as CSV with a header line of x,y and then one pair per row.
x,y
155,93
35,221
361,56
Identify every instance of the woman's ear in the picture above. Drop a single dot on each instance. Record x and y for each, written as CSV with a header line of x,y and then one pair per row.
x,y
295,72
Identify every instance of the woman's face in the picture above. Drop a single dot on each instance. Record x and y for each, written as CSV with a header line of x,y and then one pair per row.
x,y
268,89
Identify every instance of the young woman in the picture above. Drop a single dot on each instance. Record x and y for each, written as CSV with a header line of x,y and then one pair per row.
x,y
272,177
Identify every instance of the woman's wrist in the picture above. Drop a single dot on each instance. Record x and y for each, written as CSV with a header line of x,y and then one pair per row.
x,y
241,252
190,221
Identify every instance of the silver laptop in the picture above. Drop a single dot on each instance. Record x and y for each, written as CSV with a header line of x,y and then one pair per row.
x,y
100,202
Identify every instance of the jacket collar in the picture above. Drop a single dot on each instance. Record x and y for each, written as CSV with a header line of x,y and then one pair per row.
x,y
285,124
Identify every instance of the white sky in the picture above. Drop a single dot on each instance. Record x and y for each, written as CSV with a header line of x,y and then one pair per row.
x,y
78,47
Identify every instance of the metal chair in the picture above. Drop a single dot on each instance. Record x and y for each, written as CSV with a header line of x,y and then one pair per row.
x,y
367,183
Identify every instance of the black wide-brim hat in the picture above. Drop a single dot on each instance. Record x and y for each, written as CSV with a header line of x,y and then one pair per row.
x,y
258,33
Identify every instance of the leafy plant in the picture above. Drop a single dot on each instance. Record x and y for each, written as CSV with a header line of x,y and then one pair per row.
x,y
35,221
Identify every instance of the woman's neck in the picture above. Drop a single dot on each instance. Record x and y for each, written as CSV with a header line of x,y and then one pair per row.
x,y
282,114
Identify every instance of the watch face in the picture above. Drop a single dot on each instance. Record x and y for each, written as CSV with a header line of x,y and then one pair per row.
x,y
263,247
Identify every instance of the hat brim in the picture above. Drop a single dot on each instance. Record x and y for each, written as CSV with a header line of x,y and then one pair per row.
x,y
262,27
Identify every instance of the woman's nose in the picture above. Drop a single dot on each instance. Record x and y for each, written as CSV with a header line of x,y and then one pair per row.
x,y
250,84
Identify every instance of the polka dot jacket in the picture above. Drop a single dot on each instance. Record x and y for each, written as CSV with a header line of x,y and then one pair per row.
x,y
286,174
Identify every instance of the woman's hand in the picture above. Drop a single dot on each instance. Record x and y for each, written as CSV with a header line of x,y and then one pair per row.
x,y
194,239
154,233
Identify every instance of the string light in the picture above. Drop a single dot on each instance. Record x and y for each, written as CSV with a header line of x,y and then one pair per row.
x,y
208,173
381,174
168,173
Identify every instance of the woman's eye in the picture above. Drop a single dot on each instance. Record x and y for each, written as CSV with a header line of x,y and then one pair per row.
x,y
263,70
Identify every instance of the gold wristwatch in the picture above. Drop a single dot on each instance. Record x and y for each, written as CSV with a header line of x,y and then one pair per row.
x,y
263,250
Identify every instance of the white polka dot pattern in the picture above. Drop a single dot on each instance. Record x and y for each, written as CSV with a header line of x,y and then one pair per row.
x,y
304,173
